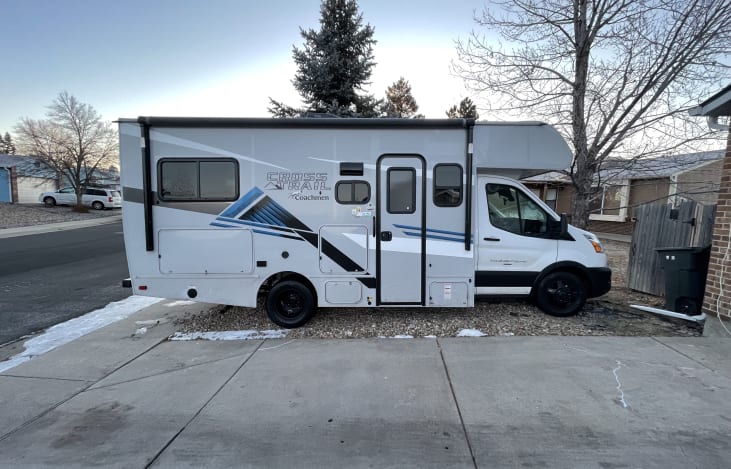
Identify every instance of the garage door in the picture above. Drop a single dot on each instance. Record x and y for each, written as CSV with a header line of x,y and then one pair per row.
x,y
5,194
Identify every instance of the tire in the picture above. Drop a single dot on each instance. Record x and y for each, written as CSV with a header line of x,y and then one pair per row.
x,y
290,304
560,294
97,205
49,202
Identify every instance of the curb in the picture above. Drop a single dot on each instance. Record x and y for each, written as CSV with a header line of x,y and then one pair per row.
x,y
51,227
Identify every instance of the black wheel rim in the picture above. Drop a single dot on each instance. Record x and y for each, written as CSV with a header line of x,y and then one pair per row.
x,y
562,293
290,304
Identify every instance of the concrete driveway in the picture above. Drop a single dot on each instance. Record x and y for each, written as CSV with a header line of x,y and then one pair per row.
x,y
118,399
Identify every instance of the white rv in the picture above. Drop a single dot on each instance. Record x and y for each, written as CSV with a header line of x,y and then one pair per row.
x,y
349,212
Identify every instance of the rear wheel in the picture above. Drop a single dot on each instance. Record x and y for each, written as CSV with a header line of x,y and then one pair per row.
x,y
561,294
97,205
290,304
49,202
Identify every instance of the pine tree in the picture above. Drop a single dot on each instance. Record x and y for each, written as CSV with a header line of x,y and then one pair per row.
x,y
6,144
333,65
399,101
466,110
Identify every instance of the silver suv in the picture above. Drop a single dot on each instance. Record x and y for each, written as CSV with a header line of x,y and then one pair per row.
x,y
95,197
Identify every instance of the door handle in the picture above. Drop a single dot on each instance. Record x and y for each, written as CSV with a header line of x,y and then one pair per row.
x,y
491,239
386,236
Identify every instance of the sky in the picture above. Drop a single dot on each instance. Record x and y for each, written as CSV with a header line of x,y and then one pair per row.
x,y
221,58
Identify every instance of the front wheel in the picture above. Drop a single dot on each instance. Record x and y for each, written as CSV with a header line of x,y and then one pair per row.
x,y
560,294
290,304
49,201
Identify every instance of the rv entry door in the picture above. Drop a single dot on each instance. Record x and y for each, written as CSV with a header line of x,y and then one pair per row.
x,y
400,230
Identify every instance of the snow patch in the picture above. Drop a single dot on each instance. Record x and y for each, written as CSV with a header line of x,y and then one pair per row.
x,y
619,385
471,333
230,335
180,303
68,331
403,336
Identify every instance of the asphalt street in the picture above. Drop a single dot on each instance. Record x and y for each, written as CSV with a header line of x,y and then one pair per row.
x,y
49,278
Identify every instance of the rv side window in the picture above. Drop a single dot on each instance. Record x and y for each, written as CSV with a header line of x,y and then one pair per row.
x,y
352,192
511,210
198,180
401,190
447,185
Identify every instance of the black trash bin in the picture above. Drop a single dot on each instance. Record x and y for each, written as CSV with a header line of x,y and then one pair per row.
x,y
685,278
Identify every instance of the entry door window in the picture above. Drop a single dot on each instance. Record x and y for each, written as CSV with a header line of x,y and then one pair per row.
x,y
401,190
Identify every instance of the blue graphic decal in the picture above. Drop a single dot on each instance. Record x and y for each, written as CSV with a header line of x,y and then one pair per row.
x,y
406,227
433,236
242,203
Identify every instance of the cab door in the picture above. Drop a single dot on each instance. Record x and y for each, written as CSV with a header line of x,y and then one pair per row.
x,y
400,230
516,241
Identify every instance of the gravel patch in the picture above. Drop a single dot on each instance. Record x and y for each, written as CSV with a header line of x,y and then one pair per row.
x,y
16,215
608,315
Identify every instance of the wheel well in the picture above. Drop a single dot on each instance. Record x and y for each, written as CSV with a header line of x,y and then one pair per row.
x,y
575,269
269,283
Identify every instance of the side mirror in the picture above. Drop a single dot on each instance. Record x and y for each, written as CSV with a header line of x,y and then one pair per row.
x,y
559,229
564,226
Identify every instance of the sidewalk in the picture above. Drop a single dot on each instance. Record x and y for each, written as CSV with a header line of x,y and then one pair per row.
x,y
119,399
50,227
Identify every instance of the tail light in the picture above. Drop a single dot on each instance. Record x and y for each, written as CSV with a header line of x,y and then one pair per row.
x,y
111,200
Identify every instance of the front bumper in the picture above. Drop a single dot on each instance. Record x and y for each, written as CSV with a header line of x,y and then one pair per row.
x,y
600,279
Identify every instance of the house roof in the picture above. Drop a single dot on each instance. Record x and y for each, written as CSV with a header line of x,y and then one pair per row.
x,y
642,168
29,166
717,105
9,161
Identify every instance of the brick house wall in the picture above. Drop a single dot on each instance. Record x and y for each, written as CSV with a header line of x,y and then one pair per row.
x,y
718,284
14,184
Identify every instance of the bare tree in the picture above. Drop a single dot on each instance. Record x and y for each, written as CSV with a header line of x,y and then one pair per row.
x,y
615,76
72,140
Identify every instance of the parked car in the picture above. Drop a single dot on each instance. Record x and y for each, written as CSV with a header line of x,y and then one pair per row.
x,y
96,197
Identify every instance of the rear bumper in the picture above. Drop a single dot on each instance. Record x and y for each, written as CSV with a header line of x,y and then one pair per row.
x,y
600,279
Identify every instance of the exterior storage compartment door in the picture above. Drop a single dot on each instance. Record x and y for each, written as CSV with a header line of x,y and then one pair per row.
x,y
222,251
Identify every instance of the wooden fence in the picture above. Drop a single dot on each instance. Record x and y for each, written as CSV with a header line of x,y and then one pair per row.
x,y
660,226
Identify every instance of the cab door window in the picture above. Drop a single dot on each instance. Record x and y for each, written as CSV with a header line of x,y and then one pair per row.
x,y
511,210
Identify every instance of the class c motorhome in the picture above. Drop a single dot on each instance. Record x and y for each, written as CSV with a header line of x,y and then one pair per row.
x,y
322,212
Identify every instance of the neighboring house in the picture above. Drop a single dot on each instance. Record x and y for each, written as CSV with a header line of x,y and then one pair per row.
x,y
108,178
628,184
717,299
23,178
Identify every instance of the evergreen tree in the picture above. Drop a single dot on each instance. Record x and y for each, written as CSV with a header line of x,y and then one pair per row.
x,y
333,65
399,101
465,110
6,144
